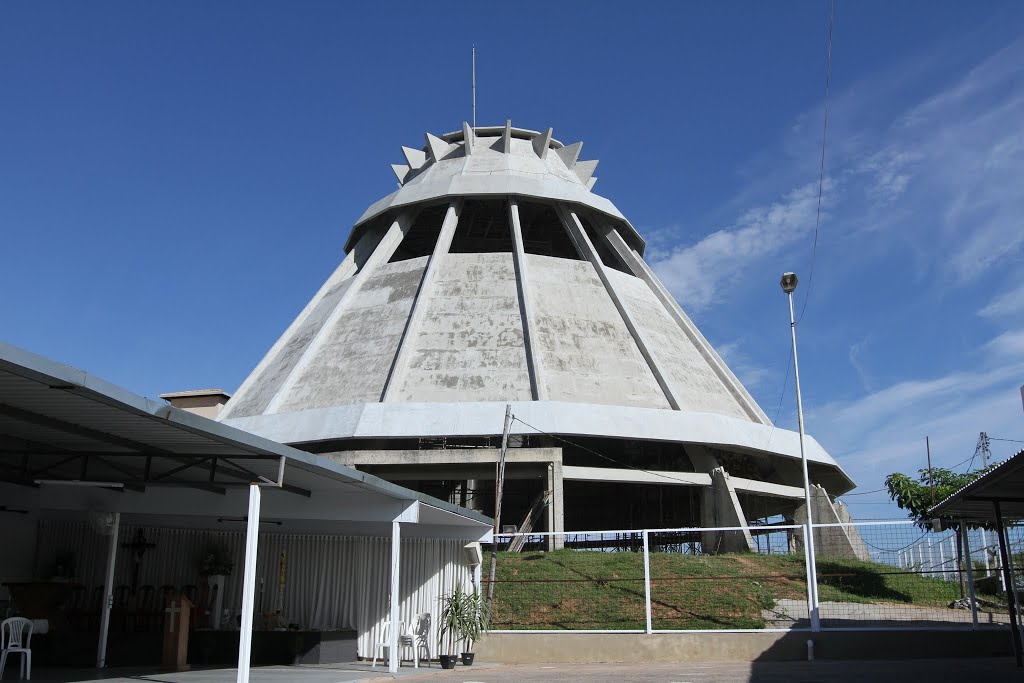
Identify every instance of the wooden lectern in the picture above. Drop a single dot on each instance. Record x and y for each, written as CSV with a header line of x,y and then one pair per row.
x,y
176,632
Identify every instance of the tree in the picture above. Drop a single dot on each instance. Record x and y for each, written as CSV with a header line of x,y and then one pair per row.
x,y
919,496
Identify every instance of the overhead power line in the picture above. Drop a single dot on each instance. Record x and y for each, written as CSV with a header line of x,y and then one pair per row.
x,y
821,166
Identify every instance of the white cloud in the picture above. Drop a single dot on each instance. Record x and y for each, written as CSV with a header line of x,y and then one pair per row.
x,y
854,355
742,365
1007,303
695,273
1009,344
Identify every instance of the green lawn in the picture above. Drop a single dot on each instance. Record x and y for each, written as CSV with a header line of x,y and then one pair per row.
x,y
576,589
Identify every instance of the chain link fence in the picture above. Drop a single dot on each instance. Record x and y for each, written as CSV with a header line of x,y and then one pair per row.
x,y
870,575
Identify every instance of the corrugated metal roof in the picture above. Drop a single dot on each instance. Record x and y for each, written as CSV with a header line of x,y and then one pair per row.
x,y
1004,483
60,423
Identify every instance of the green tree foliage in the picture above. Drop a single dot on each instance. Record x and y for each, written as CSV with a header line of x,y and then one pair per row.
x,y
918,496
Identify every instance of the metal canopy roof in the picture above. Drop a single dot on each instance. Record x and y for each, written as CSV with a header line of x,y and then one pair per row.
x,y
1004,484
65,431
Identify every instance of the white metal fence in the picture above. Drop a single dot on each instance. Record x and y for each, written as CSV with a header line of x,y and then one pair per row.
x,y
870,575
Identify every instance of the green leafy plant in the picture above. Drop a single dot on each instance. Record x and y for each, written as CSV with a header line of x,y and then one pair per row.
x,y
215,560
463,619
918,496
932,486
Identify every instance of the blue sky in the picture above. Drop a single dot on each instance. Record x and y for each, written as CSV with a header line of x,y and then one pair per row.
x,y
177,179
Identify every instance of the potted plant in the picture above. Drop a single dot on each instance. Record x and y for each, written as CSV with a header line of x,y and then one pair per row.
x,y
474,622
463,616
216,563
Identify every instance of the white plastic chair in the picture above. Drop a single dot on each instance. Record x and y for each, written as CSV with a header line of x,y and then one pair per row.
x,y
16,636
385,640
418,638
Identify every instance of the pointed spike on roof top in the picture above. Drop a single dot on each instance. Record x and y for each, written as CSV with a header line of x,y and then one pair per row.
x,y
585,169
570,154
590,183
438,147
467,137
401,170
415,157
506,137
542,142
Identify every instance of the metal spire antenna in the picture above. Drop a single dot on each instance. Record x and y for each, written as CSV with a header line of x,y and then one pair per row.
x,y
474,87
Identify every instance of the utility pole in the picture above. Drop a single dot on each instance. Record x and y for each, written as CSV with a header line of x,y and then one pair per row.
x,y
983,447
931,478
499,490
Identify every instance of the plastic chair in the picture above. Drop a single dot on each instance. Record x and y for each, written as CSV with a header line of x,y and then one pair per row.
x,y
385,640
418,638
16,636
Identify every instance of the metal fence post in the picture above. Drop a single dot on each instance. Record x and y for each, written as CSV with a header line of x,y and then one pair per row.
x,y
647,580
965,534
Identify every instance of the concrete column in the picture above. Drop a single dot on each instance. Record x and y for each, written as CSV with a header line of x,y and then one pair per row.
x,y
835,541
383,252
640,269
721,508
556,511
533,363
353,261
407,345
586,248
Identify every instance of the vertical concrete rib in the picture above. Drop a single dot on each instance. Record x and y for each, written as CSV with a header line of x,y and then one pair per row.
x,y
587,251
381,254
344,270
640,269
537,386
407,344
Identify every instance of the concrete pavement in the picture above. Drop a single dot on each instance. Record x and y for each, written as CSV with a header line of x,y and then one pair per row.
x,y
990,670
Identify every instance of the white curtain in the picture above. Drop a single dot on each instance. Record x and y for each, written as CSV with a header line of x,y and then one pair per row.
x,y
331,582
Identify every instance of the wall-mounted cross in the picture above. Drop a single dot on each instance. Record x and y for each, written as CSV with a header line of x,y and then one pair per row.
x,y
138,545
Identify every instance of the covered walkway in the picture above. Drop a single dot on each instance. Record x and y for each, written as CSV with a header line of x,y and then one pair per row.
x,y
74,448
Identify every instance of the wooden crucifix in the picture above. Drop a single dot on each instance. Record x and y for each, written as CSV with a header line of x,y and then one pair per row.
x,y
138,545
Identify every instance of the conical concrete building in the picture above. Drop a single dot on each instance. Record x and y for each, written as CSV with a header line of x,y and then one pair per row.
x,y
494,276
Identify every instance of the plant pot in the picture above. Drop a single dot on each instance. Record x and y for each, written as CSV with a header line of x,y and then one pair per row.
x,y
449,661
467,658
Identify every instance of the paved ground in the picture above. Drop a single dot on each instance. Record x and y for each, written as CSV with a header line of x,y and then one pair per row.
x,y
902,671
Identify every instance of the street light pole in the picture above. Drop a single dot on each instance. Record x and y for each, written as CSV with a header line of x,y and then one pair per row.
x,y
789,282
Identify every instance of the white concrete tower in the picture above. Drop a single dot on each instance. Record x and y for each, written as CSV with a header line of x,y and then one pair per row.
x,y
494,275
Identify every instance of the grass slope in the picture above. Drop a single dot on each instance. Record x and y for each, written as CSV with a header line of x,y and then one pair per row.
x,y
573,589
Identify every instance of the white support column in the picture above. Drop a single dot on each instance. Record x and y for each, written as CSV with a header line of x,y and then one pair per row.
x,y
640,269
965,533
942,560
407,344
587,251
647,580
108,594
252,532
395,597
540,391
952,557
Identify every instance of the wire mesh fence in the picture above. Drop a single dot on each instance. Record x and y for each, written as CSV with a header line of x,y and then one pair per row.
x,y
727,578
592,582
870,575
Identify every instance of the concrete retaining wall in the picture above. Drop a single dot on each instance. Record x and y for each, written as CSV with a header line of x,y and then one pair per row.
x,y
569,648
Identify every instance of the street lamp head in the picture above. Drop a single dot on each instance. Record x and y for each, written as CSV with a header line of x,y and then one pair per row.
x,y
788,282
